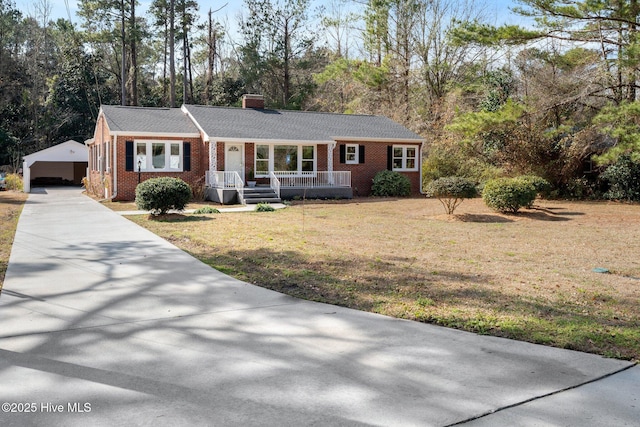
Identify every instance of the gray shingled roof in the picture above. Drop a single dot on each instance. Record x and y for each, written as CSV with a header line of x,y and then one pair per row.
x,y
148,120
248,124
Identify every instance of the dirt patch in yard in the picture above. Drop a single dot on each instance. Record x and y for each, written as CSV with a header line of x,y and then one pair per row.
x,y
528,276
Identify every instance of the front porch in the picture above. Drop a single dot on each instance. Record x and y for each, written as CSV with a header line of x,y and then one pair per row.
x,y
227,187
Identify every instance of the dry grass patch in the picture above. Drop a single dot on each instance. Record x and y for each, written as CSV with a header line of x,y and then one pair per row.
x,y
527,276
11,203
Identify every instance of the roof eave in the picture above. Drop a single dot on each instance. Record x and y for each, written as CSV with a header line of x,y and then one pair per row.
x,y
271,141
372,139
156,134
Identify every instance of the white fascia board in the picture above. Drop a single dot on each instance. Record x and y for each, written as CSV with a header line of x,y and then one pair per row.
x,y
204,134
157,134
369,139
271,141
77,152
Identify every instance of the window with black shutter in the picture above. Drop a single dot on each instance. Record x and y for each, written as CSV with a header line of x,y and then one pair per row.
x,y
128,149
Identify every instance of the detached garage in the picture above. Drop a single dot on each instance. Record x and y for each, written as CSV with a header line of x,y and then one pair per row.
x,y
62,164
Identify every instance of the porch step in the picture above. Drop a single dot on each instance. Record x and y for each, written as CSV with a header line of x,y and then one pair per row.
x,y
253,196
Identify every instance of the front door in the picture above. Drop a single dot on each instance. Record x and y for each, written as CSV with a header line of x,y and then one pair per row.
x,y
234,159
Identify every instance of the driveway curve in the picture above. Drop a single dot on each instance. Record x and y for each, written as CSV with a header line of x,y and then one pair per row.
x,y
105,323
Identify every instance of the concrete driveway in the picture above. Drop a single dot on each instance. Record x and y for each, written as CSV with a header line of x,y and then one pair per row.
x,y
104,323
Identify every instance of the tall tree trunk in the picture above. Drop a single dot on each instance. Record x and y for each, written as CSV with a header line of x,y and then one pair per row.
x,y
211,52
634,11
189,67
287,59
185,92
172,54
133,35
164,62
123,69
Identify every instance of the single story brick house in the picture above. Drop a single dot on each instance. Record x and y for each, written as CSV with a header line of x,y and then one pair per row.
x,y
288,153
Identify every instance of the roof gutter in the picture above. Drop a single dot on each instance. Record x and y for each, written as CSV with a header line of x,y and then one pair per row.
x,y
420,169
114,174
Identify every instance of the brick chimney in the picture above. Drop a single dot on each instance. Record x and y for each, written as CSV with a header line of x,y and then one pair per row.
x,y
253,101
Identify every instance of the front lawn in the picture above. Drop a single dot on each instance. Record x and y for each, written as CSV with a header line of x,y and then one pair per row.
x,y
11,203
528,276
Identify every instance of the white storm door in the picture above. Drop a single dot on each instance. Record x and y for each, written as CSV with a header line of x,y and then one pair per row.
x,y
234,159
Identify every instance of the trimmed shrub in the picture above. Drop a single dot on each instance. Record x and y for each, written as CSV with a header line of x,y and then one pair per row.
x,y
540,184
264,207
206,210
451,191
159,195
390,184
508,195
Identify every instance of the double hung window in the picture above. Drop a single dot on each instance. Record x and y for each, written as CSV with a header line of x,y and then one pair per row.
x,y
405,158
294,159
158,156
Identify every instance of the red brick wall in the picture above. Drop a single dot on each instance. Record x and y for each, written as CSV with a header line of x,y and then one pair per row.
x,y
128,180
375,154
321,158
99,181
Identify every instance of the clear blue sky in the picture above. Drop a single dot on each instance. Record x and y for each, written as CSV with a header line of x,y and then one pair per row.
x,y
497,8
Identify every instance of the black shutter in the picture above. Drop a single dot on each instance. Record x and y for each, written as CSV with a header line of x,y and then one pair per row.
x,y
390,157
343,153
186,156
361,153
128,155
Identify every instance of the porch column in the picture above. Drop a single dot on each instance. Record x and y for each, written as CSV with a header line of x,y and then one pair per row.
x,y
330,147
26,177
213,160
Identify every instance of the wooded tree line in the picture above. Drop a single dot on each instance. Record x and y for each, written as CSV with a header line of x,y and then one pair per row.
x,y
489,100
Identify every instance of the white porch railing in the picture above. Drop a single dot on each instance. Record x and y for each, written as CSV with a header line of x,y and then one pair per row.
x,y
274,183
224,179
313,179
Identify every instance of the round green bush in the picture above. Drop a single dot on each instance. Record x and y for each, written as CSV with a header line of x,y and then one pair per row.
x,y
623,178
451,191
508,194
540,184
390,184
159,195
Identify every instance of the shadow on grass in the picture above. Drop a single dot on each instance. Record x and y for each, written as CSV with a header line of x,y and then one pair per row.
x,y
541,216
12,198
484,218
173,217
461,301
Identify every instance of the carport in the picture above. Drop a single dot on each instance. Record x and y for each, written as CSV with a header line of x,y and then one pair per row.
x,y
65,163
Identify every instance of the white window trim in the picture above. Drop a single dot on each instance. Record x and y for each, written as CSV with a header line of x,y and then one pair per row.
x,y
404,158
299,171
346,154
148,166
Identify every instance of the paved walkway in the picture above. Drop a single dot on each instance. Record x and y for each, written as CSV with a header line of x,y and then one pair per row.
x,y
104,324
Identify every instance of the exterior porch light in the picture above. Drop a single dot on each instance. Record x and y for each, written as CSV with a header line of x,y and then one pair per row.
x,y
139,168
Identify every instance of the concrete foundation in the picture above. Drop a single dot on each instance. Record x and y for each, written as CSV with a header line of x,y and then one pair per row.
x,y
222,195
289,193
